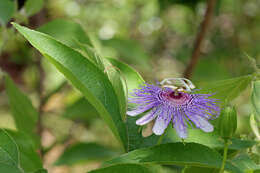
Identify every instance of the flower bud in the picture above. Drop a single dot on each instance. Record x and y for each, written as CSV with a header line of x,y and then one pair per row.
x,y
227,123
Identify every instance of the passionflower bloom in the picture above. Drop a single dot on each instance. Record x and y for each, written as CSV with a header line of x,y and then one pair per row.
x,y
173,100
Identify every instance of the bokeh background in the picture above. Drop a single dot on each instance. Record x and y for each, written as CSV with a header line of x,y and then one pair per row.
x,y
156,37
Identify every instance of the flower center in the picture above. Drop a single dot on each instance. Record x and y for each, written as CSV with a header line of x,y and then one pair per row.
x,y
175,98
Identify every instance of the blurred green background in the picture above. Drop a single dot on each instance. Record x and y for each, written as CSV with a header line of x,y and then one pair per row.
x,y
156,37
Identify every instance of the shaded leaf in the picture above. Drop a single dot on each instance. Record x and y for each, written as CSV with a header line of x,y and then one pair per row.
x,y
244,162
193,169
227,90
32,7
189,154
84,75
25,115
83,152
81,110
40,171
7,10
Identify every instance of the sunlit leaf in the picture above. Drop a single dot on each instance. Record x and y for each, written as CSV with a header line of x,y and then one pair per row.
x,y
255,98
189,154
244,162
84,75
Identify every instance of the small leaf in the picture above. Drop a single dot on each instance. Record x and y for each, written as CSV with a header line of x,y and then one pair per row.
x,y
123,168
7,10
8,150
227,90
29,159
85,76
83,152
189,154
24,113
32,7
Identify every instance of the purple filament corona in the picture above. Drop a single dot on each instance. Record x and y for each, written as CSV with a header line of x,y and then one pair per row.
x,y
166,105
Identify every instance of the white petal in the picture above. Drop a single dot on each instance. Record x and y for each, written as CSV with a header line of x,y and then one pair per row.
x,y
201,123
147,118
160,125
180,127
139,110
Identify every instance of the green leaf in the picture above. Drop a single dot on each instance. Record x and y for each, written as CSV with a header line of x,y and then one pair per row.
x,y
24,113
84,75
68,32
255,98
123,168
83,152
227,90
81,110
8,150
7,10
244,162
189,154
17,153
29,159
32,7
133,78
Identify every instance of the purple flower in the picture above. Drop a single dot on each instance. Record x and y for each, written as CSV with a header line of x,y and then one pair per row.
x,y
167,104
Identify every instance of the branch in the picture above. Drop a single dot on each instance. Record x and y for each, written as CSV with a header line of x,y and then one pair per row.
x,y
199,40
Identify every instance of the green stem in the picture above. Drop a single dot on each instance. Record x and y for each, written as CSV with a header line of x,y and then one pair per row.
x,y
224,156
161,138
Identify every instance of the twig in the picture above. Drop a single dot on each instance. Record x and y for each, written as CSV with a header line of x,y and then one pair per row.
x,y
41,104
199,40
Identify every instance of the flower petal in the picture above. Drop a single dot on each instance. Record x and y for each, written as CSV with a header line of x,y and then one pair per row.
x,y
161,124
140,110
181,129
201,122
147,117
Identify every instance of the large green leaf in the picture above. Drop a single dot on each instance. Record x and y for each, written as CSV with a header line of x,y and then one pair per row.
x,y
193,169
84,75
32,7
40,171
24,113
227,90
7,10
189,154
68,32
123,168
83,152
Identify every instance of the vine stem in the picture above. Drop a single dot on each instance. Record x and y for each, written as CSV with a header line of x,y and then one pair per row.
x,y
224,156
199,39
